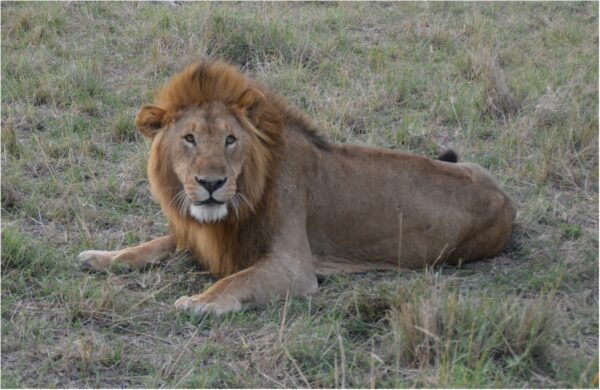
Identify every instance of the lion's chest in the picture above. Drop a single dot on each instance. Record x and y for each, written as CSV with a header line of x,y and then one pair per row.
x,y
207,245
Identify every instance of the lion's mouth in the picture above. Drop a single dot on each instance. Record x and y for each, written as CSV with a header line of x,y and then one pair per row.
x,y
208,202
209,210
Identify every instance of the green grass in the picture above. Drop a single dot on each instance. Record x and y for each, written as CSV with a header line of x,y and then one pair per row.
x,y
513,87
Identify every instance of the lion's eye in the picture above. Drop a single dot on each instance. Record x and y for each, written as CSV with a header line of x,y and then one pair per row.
x,y
190,138
230,140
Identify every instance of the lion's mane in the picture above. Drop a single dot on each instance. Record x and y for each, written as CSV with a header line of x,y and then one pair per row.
x,y
236,242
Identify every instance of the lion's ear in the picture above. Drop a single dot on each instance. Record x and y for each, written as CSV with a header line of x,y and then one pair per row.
x,y
253,101
149,120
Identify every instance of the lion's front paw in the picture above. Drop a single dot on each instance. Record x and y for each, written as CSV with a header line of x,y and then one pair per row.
x,y
204,304
95,260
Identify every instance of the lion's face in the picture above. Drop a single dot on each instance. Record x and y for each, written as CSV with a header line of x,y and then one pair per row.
x,y
211,139
206,147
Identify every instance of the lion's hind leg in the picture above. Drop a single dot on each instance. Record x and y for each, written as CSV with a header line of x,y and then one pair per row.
x,y
487,242
136,257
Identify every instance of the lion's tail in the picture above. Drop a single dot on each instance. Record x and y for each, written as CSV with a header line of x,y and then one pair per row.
x,y
448,155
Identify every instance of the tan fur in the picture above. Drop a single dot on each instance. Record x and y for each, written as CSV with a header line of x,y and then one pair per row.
x,y
308,206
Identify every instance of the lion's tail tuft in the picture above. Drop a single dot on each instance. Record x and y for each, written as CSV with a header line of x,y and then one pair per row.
x,y
448,155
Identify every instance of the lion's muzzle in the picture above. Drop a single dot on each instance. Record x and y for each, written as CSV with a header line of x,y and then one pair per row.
x,y
210,185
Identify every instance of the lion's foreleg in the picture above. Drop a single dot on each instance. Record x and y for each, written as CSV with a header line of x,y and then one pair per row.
x,y
274,277
136,257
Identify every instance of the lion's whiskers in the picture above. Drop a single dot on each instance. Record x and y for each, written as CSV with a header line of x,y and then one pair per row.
x,y
180,201
187,203
236,202
245,200
233,202
177,195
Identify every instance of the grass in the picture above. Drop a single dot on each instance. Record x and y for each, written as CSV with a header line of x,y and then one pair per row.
x,y
513,87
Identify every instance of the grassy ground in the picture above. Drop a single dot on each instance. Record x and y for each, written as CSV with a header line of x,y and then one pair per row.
x,y
513,87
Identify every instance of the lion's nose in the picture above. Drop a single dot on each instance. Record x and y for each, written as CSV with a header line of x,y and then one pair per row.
x,y
211,185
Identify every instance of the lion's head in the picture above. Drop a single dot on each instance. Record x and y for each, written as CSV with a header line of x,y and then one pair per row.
x,y
214,140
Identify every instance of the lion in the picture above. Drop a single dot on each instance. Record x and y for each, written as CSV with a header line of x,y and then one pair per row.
x,y
253,191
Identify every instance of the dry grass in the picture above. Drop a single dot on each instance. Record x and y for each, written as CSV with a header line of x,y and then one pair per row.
x,y
436,325
513,87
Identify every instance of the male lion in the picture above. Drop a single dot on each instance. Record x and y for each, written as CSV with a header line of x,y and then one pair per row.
x,y
259,198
